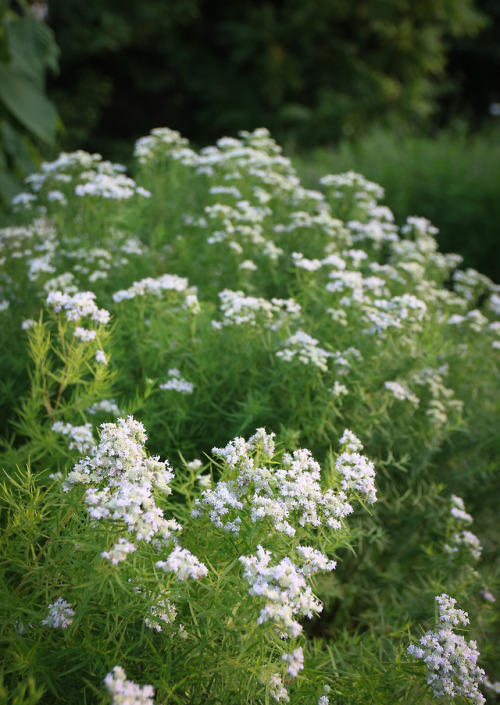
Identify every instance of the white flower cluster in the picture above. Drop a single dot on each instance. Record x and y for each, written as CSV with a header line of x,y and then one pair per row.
x,y
167,282
126,692
284,589
471,284
474,318
276,688
64,282
310,265
339,390
494,304
85,335
119,551
401,392
177,383
23,201
295,661
60,614
305,348
358,473
396,312
359,287
494,687
78,306
240,225
80,437
40,265
379,230
121,481
313,560
92,176
419,227
239,309
288,495
451,661
183,564
458,510
111,186
462,539
107,406
162,142
467,541
306,223
365,193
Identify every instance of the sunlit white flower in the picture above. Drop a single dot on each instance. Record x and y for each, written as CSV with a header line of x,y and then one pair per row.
x,y
126,692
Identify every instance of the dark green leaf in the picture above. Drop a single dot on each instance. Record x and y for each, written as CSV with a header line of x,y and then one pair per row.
x,y
26,102
16,148
8,187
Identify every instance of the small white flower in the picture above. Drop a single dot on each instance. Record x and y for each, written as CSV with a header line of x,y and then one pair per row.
x,y
177,383
60,614
101,358
126,692
119,551
84,335
249,265
183,564
295,661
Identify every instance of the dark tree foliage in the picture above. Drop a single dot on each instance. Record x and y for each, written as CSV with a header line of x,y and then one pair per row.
x,y
474,66
313,69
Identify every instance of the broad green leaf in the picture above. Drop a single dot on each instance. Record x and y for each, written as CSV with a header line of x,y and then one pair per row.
x,y
32,48
8,186
26,102
17,149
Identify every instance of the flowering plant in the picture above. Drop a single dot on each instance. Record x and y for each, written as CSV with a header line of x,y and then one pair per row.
x,y
317,387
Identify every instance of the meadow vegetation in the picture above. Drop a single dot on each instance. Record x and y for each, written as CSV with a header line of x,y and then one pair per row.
x,y
250,439
450,176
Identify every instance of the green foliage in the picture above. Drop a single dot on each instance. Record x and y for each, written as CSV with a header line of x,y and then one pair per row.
x,y
27,51
238,300
311,70
451,178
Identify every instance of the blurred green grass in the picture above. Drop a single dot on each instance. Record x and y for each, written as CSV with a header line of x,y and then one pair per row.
x,y
452,178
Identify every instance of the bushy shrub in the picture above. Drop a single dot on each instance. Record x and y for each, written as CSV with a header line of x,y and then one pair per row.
x,y
320,392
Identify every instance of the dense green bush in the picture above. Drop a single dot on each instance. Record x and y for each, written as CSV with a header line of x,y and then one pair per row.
x,y
312,69
451,178
215,301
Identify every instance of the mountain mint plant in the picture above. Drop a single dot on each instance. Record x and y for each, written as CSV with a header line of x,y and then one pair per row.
x,y
247,426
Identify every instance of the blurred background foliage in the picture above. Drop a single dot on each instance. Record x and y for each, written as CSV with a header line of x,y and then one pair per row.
x,y
311,71
27,51
346,76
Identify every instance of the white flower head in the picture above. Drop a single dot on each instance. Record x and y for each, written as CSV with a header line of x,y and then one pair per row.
x,y
126,692
60,614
